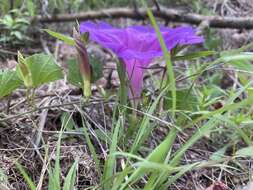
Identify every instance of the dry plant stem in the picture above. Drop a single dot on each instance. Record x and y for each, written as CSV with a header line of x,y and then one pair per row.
x,y
42,122
50,107
167,14
43,171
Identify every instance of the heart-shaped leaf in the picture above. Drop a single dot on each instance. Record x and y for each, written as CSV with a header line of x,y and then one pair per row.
x,y
43,69
9,81
74,76
97,68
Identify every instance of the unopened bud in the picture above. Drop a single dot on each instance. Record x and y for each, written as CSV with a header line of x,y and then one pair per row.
x,y
84,64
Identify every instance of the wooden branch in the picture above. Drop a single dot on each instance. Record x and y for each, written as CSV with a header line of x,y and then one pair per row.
x,y
164,13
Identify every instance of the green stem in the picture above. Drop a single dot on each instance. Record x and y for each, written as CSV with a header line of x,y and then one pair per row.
x,y
123,83
167,57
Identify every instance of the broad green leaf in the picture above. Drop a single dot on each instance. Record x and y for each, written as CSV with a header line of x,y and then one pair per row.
x,y
245,152
74,76
68,40
9,81
43,69
97,68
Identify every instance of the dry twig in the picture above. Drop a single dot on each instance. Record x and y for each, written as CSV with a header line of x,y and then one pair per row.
x,y
164,13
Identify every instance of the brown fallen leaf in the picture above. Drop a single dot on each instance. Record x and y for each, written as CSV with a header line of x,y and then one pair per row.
x,y
217,186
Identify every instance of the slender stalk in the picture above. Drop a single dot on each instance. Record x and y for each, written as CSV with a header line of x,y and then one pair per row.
x,y
123,83
167,57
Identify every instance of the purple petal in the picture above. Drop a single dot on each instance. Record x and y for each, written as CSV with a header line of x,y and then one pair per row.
x,y
135,71
137,46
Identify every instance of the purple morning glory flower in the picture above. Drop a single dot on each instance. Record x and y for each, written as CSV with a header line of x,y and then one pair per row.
x,y
137,46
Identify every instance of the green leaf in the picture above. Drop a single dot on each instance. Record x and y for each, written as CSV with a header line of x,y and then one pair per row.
x,y
31,7
219,154
245,152
43,69
67,121
9,81
69,182
17,34
242,65
24,71
68,40
157,155
246,56
193,55
240,61
111,159
97,68
27,178
186,100
167,57
74,76
91,146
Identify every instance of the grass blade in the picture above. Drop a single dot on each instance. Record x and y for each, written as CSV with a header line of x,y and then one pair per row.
x,y
28,180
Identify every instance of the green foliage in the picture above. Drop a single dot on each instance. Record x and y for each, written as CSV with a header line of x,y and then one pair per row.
x,y
68,40
193,55
186,101
42,69
245,152
212,41
74,76
14,27
69,183
55,172
9,81
3,177
25,175
167,57
31,7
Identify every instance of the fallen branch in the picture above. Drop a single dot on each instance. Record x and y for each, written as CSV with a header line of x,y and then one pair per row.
x,y
164,13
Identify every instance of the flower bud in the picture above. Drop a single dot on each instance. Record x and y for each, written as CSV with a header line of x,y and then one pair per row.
x,y
84,65
24,71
